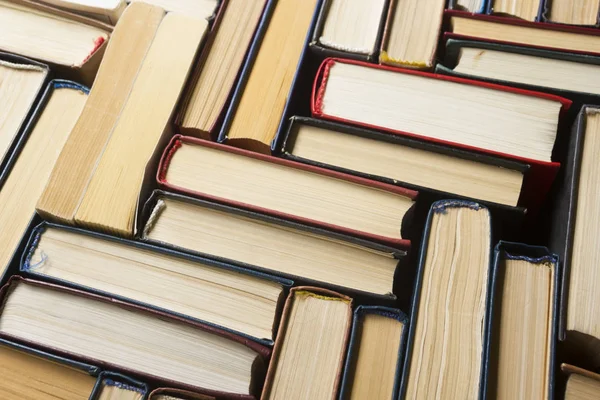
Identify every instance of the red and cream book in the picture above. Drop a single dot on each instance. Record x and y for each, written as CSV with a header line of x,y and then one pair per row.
x,y
70,43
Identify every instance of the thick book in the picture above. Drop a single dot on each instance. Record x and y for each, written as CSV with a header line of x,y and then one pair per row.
x,y
411,33
269,73
308,357
464,25
219,67
523,316
449,313
23,82
32,160
71,43
198,9
572,12
117,187
73,171
523,10
176,394
191,287
351,29
279,187
28,373
569,75
357,93
426,167
108,11
131,338
375,354
115,386
573,238
581,384
261,242
472,6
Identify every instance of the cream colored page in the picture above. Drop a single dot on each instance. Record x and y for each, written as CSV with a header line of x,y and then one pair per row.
x,y
225,57
377,358
132,340
581,387
288,190
226,298
500,121
119,391
546,72
448,341
576,12
413,33
46,37
27,377
524,9
256,122
193,8
282,249
310,357
353,25
410,165
524,330
19,87
111,198
28,177
583,306
525,35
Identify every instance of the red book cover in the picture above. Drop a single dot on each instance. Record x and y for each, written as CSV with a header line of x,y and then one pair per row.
x,y
177,141
521,23
538,179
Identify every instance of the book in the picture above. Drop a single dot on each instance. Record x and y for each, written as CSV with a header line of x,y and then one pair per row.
x,y
201,9
22,83
573,238
176,394
68,42
375,354
354,92
308,356
581,384
111,198
523,313
77,162
116,334
32,162
252,124
351,26
29,374
532,68
527,10
403,161
113,386
473,6
513,31
271,244
279,187
220,66
192,287
108,11
573,12
411,33
447,338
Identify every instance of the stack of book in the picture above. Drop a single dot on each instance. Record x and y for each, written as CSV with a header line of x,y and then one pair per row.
x,y
285,199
